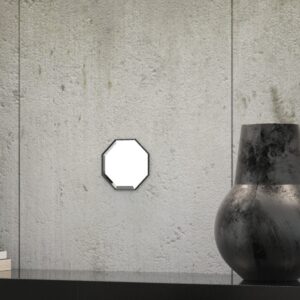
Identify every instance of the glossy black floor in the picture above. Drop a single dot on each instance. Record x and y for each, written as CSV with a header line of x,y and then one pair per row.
x,y
77,285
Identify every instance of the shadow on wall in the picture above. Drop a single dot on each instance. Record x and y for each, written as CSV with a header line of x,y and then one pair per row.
x,y
283,111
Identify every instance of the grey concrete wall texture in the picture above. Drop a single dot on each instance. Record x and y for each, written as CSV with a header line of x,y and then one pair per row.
x,y
9,129
159,71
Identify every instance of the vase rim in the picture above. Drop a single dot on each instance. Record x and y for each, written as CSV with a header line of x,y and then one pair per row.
x,y
269,124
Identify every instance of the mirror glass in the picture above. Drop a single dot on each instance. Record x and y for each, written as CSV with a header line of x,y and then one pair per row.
x,y
125,164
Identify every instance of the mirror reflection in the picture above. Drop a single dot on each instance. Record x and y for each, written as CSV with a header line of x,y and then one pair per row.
x,y
125,164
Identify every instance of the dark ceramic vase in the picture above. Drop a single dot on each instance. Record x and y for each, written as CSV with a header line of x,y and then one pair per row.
x,y
257,228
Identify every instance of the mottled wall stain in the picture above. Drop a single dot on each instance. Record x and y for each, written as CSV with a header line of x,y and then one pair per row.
x,y
60,194
84,75
283,111
245,102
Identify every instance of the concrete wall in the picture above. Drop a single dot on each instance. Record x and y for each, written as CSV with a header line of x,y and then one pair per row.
x,y
9,95
158,71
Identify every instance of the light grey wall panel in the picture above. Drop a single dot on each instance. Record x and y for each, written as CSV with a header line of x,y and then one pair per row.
x,y
9,128
93,71
266,62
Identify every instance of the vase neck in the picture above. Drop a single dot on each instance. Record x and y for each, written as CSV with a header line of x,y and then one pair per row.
x,y
269,154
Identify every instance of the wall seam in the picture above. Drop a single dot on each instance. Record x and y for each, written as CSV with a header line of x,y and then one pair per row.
x,y
19,135
231,100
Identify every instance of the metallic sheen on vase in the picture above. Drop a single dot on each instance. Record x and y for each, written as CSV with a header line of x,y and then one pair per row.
x,y
257,228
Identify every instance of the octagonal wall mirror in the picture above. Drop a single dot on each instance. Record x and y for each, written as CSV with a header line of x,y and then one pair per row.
x,y
125,164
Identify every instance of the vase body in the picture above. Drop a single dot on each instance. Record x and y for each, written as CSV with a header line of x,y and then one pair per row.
x,y
257,228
